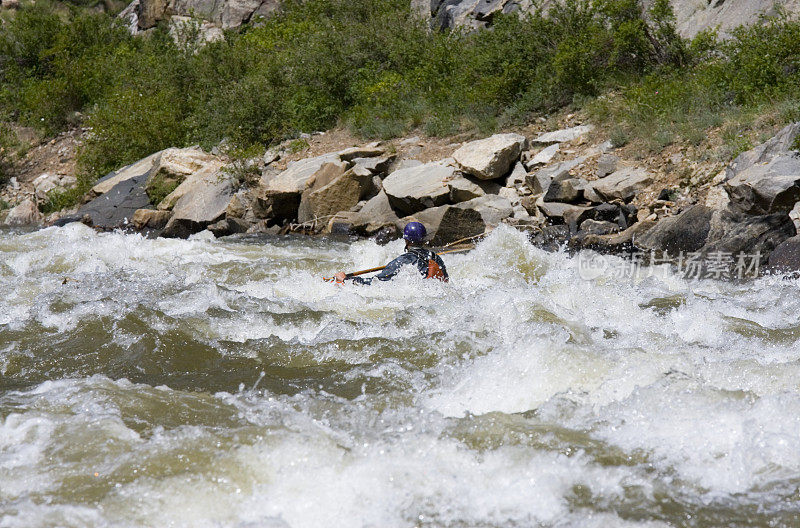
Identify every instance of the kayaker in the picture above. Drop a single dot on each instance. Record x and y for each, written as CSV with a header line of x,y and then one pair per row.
x,y
428,263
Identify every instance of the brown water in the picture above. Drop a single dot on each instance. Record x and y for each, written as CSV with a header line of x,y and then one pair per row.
x,y
221,383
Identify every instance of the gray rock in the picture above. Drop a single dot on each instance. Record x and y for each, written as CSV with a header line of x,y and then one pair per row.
x,y
786,256
367,151
685,232
492,208
606,164
133,170
297,175
449,223
599,227
544,156
24,214
779,145
551,238
275,206
539,182
341,194
376,165
568,190
416,188
229,226
490,158
794,214
517,176
116,207
622,185
564,135
767,188
376,214
203,203
466,188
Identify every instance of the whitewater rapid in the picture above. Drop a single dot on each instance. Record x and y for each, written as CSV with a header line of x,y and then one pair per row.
x,y
222,383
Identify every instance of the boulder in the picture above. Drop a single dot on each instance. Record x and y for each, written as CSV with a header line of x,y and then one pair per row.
x,y
598,227
769,187
622,184
296,177
376,165
229,226
133,170
375,215
24,214
606,164
551,238
568,190
368,151
615,242
449,223
275,206
786,256
544,156
115,208
685,232
517,176
466,188
202,203
559,213
172,168
492,208
327,173
341,194
779,145
150,219
45,183
705,230
539,181
563,136
490,158
416,188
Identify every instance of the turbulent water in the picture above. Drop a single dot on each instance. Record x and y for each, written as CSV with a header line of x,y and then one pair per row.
x,y
222,383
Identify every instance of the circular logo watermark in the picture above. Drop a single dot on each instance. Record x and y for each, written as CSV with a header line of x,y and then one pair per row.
x,y
591,265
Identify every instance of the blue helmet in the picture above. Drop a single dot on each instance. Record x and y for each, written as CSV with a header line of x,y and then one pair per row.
x,y
414,232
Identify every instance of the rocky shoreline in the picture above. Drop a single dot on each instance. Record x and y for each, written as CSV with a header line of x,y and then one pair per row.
x,y
581,201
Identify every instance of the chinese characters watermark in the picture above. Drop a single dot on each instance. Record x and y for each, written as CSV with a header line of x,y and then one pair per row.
x,y
695,265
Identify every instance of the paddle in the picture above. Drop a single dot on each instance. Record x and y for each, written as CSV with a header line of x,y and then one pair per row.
x,y
379,268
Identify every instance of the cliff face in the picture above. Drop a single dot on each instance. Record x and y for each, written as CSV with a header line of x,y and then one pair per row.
x,y
692,16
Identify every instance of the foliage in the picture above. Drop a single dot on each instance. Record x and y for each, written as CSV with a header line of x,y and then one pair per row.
x,y
377,68
59,199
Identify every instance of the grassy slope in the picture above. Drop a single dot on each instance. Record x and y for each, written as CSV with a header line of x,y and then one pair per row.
x,y
373,68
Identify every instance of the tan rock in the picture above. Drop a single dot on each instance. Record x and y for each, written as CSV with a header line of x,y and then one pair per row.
x,y
491,157
125,173
24,214
150,218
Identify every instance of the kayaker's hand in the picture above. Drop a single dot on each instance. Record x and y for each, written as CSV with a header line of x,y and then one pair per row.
x,y
340,276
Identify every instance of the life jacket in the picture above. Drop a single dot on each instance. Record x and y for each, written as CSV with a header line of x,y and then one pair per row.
x,y
434,270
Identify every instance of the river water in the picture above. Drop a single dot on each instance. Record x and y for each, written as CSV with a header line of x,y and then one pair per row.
x,y
222,383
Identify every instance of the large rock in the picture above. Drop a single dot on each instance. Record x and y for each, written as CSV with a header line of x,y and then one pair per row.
x,y
225,13
341,194
767,188
375,215
133,170
563,136
779,145
150,219
539,181
449,223
622,185
786,256
710,231
202,203
416,188
297,175
492,208
544,156
567,190
326,174
24,214
685,232
466,188
490,158
172,168
116,207
275,206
